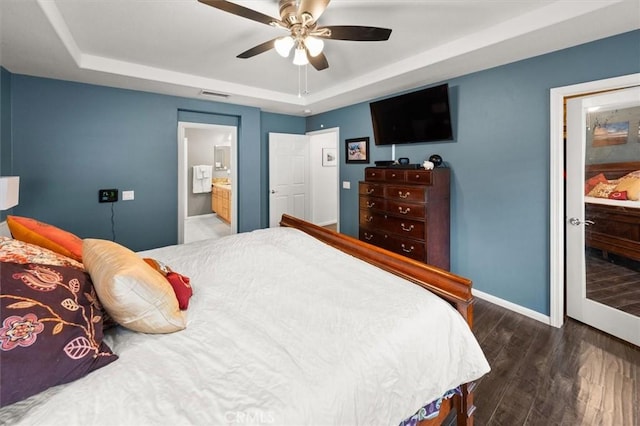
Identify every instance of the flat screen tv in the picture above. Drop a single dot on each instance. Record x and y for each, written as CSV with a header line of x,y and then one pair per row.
x,y
421,116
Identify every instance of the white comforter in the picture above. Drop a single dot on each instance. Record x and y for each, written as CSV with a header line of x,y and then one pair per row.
x,y
282,330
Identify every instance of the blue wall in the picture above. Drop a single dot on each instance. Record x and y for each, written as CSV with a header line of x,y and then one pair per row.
x,y
71,139
5,128
499,162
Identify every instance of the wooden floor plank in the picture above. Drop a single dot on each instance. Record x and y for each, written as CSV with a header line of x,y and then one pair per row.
x,y
542,375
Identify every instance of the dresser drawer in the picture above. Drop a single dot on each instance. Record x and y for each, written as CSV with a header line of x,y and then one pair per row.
x,y
371,173
394,175
377,221
421,177
371,189
402,208
406,193
404,246
372,203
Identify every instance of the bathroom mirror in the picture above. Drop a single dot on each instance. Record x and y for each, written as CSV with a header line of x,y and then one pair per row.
x,y
221,157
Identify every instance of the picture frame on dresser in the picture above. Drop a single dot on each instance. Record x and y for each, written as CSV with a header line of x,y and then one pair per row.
x,y
357,150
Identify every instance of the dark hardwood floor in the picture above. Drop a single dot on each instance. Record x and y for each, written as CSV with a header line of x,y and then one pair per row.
x,y
542,375
614,282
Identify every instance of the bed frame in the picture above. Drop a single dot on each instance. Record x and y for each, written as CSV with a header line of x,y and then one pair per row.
x,y
616,229
453,288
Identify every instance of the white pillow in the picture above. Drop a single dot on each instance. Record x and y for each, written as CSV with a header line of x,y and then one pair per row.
x,y
133,294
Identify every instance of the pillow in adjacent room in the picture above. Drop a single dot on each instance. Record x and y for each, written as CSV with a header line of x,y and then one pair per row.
x,y
132,293
50,329
593,181
631,184
45,235
180,283
602,190
17,251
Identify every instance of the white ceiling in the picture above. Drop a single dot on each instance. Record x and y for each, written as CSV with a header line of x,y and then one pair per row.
x,y
179,47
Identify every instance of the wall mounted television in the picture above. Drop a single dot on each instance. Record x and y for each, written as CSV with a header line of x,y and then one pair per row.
x,y
421,116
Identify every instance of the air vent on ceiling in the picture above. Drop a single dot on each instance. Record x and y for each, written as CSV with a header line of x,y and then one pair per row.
x,y
216,94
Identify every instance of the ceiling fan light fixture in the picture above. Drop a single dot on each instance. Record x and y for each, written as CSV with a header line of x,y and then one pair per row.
x,y
314,45
283,45
300,56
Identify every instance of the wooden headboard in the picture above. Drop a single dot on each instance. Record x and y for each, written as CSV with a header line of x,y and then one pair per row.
x,y
611,170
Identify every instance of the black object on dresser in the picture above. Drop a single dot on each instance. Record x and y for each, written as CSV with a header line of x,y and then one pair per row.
x,y
407,212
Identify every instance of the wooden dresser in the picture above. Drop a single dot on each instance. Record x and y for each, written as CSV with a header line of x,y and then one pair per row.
x,y
407,211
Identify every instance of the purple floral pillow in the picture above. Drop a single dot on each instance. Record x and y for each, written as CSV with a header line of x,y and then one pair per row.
x,y
50,329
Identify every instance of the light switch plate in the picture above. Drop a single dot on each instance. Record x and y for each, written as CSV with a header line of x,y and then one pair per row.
x,y
346,184
127,195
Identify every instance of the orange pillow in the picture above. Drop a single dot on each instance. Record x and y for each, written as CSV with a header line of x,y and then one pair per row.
x,y
45,235
593,181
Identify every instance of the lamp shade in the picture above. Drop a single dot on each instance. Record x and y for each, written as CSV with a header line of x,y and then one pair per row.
x,y
300,57
9,190
283,45
314,45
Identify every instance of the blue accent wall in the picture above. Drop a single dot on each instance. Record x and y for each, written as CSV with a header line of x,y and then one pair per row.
x,y
499,162
5,128
72,139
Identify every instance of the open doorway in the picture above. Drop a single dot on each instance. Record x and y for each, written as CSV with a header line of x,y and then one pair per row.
x,y
558,218
207,181
304,177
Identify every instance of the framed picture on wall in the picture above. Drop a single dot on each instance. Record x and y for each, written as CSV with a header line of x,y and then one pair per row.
x,y
329,157
357,150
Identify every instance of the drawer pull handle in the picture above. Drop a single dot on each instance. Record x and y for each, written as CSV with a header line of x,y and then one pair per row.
x,y
369,205
405,211
405,195
404,249
370,191
393,175
369,218
368,237
404,228
417,176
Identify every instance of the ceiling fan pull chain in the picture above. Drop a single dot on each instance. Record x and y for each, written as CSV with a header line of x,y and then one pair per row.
x,y
306,80
299,83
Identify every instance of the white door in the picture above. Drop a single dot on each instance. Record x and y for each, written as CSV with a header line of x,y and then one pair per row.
x,y
579,306
288,177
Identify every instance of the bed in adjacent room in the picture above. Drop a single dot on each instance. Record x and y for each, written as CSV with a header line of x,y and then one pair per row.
x,y
612,203
292,325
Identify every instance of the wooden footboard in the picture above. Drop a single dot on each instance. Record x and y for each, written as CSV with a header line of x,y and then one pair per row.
x,y
453,288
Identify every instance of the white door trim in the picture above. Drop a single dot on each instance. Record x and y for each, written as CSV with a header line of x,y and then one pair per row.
x,y
556,182
336,131
182,175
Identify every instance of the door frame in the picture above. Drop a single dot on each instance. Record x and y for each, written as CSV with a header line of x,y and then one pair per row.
x,y
556,184
183,186
336,132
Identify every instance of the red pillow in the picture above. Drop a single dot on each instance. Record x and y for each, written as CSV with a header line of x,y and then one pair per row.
x,y
593,181
618,195
179,282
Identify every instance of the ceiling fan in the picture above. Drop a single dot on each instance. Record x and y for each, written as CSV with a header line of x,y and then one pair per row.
x,y
300,18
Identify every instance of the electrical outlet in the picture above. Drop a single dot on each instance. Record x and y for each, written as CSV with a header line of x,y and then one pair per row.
x,y
107,195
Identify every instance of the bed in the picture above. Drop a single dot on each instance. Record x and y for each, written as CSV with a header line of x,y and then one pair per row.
x,y
616,223
341,332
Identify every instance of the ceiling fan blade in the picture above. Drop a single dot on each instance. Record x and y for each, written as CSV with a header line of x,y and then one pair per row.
x,y
356,33
319,62
314,8
241,11
261,48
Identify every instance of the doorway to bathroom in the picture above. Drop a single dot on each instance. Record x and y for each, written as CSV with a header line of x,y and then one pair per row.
x,y
207,181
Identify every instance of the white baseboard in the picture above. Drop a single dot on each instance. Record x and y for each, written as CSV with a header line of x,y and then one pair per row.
x,y
513,307
201,216
329,222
